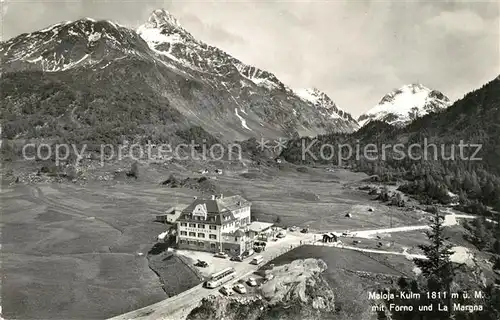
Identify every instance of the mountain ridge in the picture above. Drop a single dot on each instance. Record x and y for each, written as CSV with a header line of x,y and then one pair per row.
x,y
225,96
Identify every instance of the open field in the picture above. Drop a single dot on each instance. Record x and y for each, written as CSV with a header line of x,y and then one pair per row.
x,y
80,251
73,252
348,260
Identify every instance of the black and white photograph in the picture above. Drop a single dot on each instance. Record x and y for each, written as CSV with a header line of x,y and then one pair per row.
x,y
250,160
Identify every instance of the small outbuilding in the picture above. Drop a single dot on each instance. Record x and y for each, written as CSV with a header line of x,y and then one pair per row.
x,y
330,237
170,215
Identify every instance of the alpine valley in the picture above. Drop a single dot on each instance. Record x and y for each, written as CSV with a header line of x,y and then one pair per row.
x,y
312,228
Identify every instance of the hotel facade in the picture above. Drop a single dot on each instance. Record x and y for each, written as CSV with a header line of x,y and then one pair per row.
x,y
218,224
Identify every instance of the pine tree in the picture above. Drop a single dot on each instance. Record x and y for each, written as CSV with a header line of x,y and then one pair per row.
x,y
437,268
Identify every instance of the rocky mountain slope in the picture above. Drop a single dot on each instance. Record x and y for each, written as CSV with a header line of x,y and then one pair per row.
x,y
297,291
328,108
406,104
98,81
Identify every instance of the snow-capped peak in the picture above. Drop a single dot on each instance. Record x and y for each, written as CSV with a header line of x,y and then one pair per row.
x,y
67,45
405,104
323,103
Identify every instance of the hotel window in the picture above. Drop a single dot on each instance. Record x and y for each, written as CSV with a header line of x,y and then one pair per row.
x,y
192,225
183,241
192,234
212,236
183,224
201,244
201,235
212,227
184,233
201,226
212,245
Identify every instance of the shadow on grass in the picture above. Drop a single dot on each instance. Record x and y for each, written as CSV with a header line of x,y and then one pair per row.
x,y
158,248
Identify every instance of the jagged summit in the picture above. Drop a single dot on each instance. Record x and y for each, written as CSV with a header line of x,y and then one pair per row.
x,y
403,105
162,28
161,17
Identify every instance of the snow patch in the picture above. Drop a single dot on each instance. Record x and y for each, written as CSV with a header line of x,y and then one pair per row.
x,y
94,36
72,64
243,121
154,35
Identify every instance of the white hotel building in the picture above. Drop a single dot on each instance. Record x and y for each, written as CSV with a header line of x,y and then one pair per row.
x,y
216,224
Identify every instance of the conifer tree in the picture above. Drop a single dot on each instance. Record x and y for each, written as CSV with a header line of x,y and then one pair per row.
x,y
437,269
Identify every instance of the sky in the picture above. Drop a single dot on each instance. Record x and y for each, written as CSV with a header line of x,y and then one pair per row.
x,y
355,51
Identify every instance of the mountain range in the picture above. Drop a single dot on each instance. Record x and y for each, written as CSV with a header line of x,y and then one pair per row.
x,y
90,80
98,81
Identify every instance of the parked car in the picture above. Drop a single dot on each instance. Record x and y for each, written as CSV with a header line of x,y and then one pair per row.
x,y
249,252
252,282
293,229
225,290
305,230
240,288
281,234
221,254
201,264
237,258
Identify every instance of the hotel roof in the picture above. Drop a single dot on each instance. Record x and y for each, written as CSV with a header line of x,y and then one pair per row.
x,y
221,208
